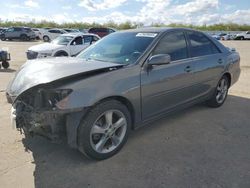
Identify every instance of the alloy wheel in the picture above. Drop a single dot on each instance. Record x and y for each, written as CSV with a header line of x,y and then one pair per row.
x,y
108,131
222,90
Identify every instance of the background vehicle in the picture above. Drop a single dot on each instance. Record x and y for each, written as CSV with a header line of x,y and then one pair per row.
x,y
101,32
228,37
22,33
69,44
125,80
219,36
38,33
51,34
243,36
71,30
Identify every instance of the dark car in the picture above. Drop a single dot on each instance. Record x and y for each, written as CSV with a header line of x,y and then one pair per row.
x,y
22,33
122,82
101,32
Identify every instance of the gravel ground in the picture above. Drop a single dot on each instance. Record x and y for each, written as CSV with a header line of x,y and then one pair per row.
x,y
198,147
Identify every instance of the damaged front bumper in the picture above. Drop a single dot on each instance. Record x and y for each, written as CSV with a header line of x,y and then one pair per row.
x,y
56,125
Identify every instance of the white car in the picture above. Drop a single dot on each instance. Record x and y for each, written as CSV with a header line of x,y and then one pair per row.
x,y
38,33
51,34
69,44
227,37
243,36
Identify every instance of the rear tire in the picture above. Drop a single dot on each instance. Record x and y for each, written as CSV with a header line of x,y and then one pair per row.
x,y
5,64
24,37
220,94
104,130
46,39
242,38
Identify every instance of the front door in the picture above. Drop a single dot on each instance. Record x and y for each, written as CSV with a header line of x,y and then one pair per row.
x,y
164,87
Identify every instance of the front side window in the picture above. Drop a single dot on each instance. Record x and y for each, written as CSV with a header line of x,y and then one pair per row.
x,y
173,44
122,48
52,31
201,45
77,41
62,40
10,30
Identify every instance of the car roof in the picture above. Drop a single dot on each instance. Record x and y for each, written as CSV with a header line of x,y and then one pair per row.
x,y
156,29
79,34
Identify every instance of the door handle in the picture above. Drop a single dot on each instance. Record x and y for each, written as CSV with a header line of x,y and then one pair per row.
x,y
220,61
188,69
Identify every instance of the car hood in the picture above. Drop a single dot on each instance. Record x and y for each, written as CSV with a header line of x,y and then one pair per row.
x,y
36,72
240,34
45,47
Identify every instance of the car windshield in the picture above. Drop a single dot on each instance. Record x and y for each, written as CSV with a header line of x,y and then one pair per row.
x,y
62,40
122,48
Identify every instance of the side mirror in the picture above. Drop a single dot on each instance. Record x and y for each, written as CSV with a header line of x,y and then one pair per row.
x,y
74,43
160,59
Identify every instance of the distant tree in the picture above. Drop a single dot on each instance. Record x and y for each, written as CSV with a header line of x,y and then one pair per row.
x,y
125,25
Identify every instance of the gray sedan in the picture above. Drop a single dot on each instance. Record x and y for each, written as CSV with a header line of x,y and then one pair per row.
x,y
127,79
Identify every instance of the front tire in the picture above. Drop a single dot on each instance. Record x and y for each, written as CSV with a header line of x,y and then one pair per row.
x,y
104,130
61,54
3,38
220,93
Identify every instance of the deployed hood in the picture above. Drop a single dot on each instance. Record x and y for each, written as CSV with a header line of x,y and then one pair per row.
x,y
45,47
36,72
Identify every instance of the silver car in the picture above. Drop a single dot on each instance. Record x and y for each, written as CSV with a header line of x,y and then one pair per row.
x,y
123,81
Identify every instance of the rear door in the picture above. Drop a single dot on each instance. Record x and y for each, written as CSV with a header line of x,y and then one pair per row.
x,y
166,86
208,61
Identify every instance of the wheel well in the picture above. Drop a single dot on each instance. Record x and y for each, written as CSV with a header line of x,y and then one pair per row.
x,y
61,52
228,75
125,102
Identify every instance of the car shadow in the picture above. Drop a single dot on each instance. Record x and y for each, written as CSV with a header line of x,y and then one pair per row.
x,y
198,146
9,70
16,40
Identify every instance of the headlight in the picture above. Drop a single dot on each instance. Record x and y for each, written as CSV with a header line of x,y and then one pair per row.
x,y
55,98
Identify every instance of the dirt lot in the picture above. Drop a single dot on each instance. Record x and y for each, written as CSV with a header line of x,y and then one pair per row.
x,y
198,147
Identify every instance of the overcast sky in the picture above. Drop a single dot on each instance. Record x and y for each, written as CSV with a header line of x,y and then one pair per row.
x,y
145,11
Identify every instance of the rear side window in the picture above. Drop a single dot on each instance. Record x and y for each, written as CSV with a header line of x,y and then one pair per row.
x,y
54,31
201,45
173,44
17,29
27,29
